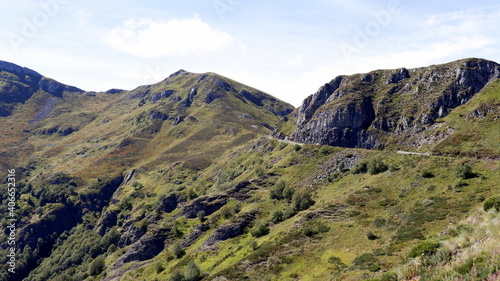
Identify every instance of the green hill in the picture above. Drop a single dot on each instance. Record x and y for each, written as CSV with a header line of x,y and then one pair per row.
x,y
180,180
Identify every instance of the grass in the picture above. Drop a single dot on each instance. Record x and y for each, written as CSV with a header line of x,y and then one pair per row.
x,y
383,212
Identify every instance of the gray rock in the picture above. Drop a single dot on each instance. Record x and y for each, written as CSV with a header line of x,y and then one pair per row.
x,y
209,204
231,230
169,203
361,111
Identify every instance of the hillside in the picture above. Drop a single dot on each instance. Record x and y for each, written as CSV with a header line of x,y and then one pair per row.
x,y
180,180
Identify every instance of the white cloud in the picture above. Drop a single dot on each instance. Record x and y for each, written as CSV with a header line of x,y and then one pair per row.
x,y
150,39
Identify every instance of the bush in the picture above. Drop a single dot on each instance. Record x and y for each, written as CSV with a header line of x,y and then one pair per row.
x,y
389,276
376,166
276,192
464,172
177,276
367,261
371,236
492,202
177,250
226,212
276,216
425,248
359,168
288,192
260,229
302,200
201,215
427,175
97,266
312,229
192,272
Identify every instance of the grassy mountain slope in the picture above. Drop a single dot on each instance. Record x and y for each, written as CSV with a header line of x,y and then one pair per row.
x,y
180,181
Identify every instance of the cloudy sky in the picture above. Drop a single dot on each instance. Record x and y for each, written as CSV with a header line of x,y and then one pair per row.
x,y
287,48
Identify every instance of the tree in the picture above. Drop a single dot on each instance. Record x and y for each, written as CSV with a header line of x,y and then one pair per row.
x,y
192,271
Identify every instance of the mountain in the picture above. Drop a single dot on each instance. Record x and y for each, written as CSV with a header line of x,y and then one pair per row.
x,y
182,179
402,108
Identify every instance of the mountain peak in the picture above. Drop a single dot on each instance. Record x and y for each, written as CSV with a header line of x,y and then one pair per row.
x,y
390,107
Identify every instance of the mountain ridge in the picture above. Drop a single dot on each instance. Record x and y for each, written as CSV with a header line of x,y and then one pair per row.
x,y
154,182
368,110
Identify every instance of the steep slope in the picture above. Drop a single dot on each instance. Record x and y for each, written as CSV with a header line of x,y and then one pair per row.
x,y
73,149
400,108
180,181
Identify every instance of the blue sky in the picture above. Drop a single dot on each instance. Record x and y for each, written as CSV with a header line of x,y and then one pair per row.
x,y
285,48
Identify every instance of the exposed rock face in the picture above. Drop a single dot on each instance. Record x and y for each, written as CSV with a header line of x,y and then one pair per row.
x,y
130,236
231,230
169,203
368,110
108,219
147,247
209,204
55,88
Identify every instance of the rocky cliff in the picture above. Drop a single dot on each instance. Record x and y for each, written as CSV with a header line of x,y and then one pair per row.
x,y
389,107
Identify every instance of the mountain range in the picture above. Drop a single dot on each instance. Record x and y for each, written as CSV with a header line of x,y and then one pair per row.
x,y
386,175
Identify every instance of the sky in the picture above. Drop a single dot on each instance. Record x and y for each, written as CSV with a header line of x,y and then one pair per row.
x,y
285,48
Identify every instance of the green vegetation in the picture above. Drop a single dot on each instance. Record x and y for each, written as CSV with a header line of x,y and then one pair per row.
x,y
158,185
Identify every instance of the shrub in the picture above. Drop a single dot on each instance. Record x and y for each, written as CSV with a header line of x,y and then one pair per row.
x,y
260,229
159,267
371,236
97,266
427,175
177,250
302,200
276,216
359,168
276,192
425,248
297,147
460,184
464,172
288,192
312,229
367,261
389,276
177,276
376,166
226,212
192,272
201,215
492,202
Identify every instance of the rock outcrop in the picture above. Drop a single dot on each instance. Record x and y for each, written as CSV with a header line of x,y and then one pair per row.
x,y
231,230
209,204
386,107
